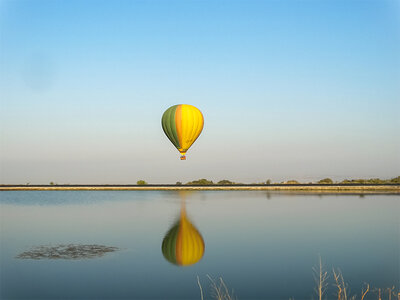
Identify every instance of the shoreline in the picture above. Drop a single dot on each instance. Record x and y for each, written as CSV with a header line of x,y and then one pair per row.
x,y
395,189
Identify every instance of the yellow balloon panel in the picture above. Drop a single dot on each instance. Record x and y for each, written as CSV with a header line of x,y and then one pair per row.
x,y
189,124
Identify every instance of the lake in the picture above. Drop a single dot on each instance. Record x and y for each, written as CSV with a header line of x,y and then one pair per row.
x,y
263,245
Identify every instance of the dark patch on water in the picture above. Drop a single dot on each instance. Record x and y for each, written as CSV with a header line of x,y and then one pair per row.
x,y
69,251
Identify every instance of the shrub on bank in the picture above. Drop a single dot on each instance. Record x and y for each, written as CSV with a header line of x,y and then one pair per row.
x,y
326,181
202,181
292,182
225,182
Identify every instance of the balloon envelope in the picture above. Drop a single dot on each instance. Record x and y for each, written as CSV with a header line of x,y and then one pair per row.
x,y
182,124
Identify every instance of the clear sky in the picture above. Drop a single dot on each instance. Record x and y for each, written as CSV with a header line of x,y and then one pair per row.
x,y
289,89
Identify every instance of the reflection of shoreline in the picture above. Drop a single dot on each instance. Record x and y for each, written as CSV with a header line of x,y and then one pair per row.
x,y
378,189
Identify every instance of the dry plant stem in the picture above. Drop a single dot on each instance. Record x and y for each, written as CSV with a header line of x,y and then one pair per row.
x,y
201,289
340,285
320,277
220,290
224,286
363,293
390,292
344,287
215,289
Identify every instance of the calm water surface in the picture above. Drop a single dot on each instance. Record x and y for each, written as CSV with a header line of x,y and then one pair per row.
x,y
263,245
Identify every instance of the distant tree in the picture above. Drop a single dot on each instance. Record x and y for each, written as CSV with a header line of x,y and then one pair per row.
x,y
375,181
268,182
395,180
292,182
178,183
141,182
51,183
359,181
225,182
325,181
372,181
202,181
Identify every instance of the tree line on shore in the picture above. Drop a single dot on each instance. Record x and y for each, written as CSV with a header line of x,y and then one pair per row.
x,y
203,181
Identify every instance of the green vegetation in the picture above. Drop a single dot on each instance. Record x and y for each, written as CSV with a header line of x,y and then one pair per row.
x,y
395,180
325,181
292,182
202,181
318,184
225,182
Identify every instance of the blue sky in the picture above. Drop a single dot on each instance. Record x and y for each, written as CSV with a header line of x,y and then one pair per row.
x,y
289,89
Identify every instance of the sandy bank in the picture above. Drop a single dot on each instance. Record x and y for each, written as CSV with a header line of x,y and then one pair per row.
x,y
295,188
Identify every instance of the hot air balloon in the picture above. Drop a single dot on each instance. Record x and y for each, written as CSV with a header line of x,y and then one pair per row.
x,y
182,124
183,244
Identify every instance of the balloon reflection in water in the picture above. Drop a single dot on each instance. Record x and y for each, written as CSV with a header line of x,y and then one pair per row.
x,y
183,244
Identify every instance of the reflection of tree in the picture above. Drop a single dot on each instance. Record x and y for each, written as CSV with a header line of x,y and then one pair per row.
x,y
183,244
69,251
